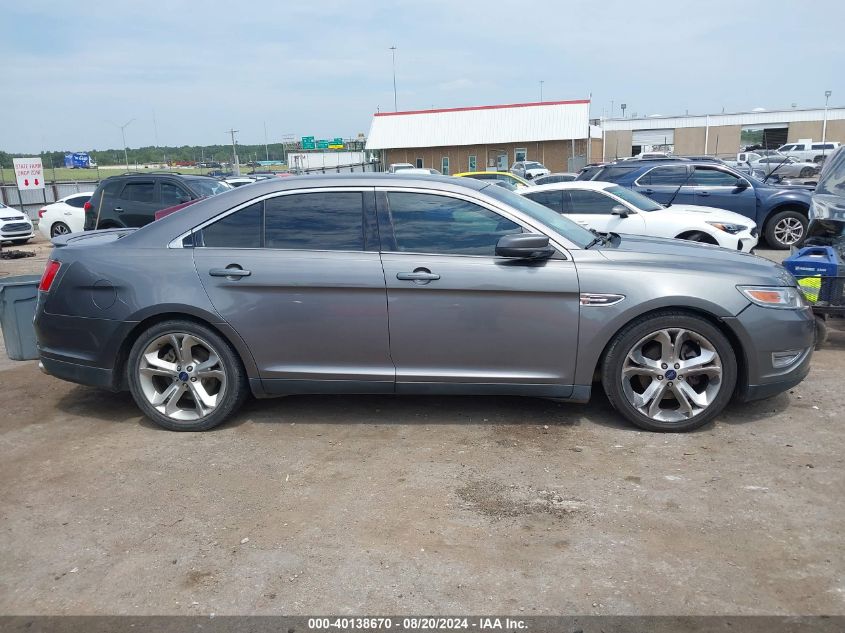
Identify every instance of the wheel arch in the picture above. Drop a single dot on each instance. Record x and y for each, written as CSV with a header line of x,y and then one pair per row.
x,y
699,311
683,235
145,321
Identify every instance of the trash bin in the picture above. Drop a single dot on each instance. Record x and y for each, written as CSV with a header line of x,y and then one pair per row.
x,y
18,296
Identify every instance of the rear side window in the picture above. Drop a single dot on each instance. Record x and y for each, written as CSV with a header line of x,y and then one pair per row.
x,y
550,199
823,146
241,229
331,221
668,175
613,172
111,188
139,191
77,201
428,223
589,202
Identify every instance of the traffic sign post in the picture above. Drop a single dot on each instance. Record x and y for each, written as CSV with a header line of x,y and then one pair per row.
x,y
29,173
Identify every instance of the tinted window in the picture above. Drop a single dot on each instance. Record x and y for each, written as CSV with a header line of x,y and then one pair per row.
x,y
551,199
786,148
612,173
111,188
591,202
832,180
77,201
713,178
241,229
172,194
330,221
139,191
205,187
823,146
668,175
427,223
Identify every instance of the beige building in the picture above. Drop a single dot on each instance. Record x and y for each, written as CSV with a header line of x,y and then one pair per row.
x,y
555,133
720,134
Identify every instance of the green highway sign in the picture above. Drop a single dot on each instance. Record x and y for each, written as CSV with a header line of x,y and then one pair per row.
x,y
308,142
322,144
336,143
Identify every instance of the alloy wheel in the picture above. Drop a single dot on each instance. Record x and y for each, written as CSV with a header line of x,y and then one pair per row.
x,y
789,231
672,375
182,376
60,229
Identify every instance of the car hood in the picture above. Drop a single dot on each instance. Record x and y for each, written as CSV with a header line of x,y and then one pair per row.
x,y
678,255
9,212
705,213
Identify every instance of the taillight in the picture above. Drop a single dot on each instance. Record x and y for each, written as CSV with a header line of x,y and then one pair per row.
x,y
49,275
41,213
88,206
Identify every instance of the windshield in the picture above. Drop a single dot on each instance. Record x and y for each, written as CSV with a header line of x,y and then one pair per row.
x,y
643,203
561,225
209,187
533,166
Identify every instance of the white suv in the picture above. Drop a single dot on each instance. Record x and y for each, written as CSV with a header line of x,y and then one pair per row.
x,y
529,169
15,226
812,152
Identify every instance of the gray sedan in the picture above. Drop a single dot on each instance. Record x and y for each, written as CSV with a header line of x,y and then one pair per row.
x,y
784,166
389,284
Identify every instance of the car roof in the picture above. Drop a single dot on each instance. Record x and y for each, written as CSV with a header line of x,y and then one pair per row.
x,y
593,185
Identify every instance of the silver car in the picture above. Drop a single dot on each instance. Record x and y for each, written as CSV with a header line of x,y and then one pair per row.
x,y
386,284
784,166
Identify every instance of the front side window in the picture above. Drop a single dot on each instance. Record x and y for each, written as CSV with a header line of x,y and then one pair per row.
x,y
786,148
588,202
241,229
641,202
139,191
431,223
672,175
713,178
473,163
205,187
444,165
331,221
172,194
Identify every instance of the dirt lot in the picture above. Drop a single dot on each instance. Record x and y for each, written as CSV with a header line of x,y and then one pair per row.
x,y
419,505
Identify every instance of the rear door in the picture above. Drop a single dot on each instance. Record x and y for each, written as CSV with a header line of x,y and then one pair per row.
x,y
667,182
717,187
594,210
137,203
462,318
306,290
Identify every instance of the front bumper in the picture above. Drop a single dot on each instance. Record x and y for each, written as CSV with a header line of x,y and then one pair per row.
x,y
8,232
763,333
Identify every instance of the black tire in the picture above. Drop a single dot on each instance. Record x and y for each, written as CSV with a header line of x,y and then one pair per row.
x,y
59,228
633,334
236,386
806,172
698,236
785,224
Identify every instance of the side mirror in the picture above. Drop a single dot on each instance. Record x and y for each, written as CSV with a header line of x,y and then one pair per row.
x,y
183,199
621,210
524,246
742,183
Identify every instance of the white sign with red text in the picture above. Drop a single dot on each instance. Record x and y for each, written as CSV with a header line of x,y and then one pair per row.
x,y
29,173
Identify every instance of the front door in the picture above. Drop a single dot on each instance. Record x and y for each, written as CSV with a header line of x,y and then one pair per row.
x,y
293,276
666,183
717,187
594,210
464,319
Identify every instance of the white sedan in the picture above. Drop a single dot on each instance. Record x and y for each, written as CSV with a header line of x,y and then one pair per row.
x,y
65,215
606,206
15,226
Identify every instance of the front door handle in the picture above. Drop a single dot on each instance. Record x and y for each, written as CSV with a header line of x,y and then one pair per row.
x,y
419,275
229,272
648,191
119,209
704,193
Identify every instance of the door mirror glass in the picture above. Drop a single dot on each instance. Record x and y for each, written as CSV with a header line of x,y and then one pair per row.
x,y
742,183
621,210
524,246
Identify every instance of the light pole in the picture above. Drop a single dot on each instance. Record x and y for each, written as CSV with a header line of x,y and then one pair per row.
x,y
541,91
393,56
236,168
827,94
123,135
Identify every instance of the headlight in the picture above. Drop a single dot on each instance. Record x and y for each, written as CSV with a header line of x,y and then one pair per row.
x,y
783,297
727,227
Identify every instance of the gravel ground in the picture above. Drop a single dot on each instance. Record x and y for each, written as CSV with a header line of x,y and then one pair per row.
x,y
368,504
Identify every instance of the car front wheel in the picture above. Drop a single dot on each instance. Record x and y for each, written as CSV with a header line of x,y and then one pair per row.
x,y
185,377
671,371
786,229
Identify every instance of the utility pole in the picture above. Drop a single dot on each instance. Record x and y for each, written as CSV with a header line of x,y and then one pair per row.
x,y
123,135
266,149
541,91
236,168
827,94
393,56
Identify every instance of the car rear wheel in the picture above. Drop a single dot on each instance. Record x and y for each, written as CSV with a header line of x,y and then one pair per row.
x,y
806,172
786,229
671,371
185,377
59,228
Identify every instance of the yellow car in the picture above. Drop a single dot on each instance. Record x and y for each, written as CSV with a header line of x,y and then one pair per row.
x,y
509,180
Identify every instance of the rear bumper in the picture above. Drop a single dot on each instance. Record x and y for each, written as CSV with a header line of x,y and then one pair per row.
x,y
80,374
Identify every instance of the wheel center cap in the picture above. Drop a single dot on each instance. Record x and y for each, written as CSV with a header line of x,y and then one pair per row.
x,y
183,376
671,374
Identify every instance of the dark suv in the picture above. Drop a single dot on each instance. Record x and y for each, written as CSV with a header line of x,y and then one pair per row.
x,y
779,210
132,199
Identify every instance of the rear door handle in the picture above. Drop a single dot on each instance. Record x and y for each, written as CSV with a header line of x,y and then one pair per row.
x,y
703,193
648,191
229,272
418,275
119,209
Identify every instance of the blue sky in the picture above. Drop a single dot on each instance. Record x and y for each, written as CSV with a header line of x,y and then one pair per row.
x,y
72,70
